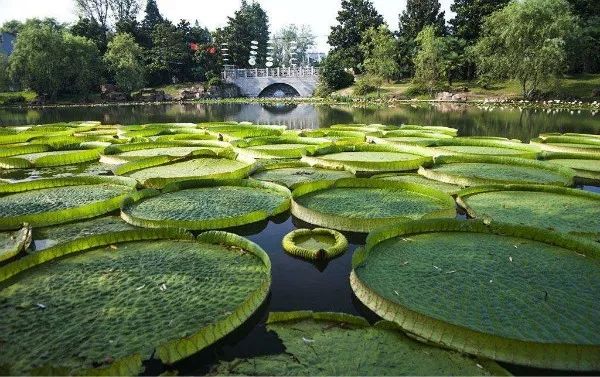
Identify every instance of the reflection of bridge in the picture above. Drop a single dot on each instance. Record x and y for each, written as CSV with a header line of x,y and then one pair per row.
x,y
274,82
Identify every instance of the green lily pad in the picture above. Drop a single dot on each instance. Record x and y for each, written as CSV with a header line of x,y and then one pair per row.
x,y
486,147
121,298
471,171
277,147
419,179
51,236
325,344
159,171
12,243
315,244
201,205
543,206
361,205
291,174
586,167
54,201
516,294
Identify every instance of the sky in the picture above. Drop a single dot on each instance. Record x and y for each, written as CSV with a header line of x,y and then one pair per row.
x,y
319,14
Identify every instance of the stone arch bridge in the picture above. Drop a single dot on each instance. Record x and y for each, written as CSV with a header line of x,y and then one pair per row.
x,y
274,82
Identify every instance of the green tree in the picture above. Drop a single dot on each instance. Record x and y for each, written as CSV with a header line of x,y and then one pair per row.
x,y
209,62
469,17
4,77
332,74
292,39
249,23
430,67
583,48
355,18
380,50
152,17
12,27
124,10
94,10
91,30
125,60
168,55
53,62
525,41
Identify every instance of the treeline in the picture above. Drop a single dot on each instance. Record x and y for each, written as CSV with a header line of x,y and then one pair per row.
x,y
530,41
109,45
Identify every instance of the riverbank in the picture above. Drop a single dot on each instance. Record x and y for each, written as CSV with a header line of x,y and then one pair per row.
x,y
575,93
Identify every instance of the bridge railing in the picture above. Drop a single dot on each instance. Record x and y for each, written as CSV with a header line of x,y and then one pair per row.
x,y
233,74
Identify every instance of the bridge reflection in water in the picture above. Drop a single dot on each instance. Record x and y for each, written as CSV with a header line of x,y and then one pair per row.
x,y
293,116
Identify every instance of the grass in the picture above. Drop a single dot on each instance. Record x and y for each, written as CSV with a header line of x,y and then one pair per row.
x,y
7,97
580,86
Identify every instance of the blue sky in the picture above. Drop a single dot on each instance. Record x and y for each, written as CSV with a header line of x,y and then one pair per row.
x,y
319,14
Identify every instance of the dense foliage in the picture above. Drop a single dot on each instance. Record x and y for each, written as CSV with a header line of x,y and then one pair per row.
x,y
124,59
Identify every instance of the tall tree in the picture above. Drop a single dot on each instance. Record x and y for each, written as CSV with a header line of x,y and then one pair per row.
x,y
469,16
249,23
380,50
125,60
12,27
152,17
584,46
168,55
290,42
91,30
430,69
94,10
355,18
124,10
531,52
421,13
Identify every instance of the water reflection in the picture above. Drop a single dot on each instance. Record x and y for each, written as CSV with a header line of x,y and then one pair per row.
x,y
470,120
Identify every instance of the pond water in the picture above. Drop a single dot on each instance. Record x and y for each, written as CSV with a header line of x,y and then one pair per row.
x,y
298,284
469,120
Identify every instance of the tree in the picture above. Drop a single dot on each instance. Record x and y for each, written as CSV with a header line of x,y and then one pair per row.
x,y
332,75
124,10
583,51
469,16
94,10
430,67
152,17
292,39
380,50
354,19
4,77
12,27
421,13
53,62
125,60
249,23
525,41
168,55
91,30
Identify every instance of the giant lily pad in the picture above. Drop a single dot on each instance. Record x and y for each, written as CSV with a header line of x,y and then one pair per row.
x,y
416,178
480,170
293,173
486,147
109,302
325,344
586,166
543,206
315,244
12,243
201,205
59,200
516,294
367,159
162,170
278,147
361,205
56,158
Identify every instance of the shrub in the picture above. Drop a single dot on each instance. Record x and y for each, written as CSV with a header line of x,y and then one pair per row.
x,y
367,84
333,75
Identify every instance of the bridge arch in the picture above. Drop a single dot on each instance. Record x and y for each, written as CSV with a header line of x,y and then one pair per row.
x,y
279,90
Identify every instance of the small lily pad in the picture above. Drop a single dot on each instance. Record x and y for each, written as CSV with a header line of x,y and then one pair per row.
x,y
315,244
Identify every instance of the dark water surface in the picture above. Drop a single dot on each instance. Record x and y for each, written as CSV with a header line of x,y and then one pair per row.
x,y
298,284
469,120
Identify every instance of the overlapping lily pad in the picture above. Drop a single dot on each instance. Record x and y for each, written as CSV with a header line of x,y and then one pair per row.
x,y
12,243
54,201
49,159
278,147
202,205
293,173
548,207
480,170
419,179
361,205
159,171
325,344
109,302
586,166
486,147
315,244
516,294
368,159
